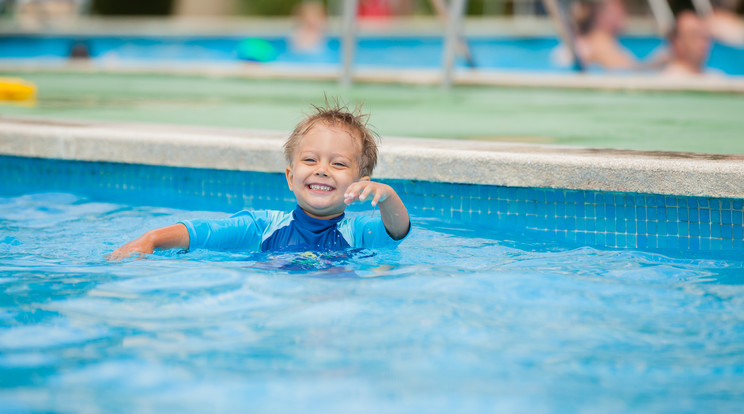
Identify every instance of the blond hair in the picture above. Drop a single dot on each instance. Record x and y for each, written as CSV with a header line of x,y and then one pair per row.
x,y
335,114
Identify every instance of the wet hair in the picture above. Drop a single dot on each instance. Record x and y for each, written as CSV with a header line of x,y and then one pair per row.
x,y
584,14
338,115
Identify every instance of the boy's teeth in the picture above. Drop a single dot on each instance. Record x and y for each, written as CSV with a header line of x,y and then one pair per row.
x,y
320,187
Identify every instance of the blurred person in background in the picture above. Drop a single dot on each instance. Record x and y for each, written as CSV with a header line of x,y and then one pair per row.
x,y
375,9
309,36
598,25
724,24
689,44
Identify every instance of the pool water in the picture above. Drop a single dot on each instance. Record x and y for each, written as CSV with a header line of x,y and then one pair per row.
x,y
456,319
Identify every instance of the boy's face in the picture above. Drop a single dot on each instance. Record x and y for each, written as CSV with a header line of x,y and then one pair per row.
x,y
325,163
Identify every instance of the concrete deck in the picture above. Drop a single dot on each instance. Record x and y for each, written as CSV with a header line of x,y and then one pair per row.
x,y
516,165
485,77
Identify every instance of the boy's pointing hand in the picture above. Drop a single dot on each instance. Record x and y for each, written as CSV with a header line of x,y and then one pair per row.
x,y
365,189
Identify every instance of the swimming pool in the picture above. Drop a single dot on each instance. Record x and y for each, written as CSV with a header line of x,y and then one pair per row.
x,y
510,53
460,318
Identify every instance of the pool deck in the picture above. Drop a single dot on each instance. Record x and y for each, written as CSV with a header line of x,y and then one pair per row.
x,y
438,160
485,77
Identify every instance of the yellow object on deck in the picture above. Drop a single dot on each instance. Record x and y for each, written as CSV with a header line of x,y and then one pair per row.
x,y
16,89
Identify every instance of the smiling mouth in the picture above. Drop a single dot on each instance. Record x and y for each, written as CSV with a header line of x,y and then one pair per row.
x,y
320,187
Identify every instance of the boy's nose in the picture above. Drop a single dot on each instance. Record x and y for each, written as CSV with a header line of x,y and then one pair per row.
x,y
321,171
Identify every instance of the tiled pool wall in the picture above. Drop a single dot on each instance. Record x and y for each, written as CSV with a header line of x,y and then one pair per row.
x,y
607,219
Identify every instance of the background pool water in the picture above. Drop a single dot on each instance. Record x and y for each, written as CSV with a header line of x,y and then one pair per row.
x,y
513,53
456,319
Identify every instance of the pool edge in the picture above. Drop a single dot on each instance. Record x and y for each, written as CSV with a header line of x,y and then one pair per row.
x,y
466,162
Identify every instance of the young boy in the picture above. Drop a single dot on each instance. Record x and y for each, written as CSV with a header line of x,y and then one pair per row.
x,y
331,155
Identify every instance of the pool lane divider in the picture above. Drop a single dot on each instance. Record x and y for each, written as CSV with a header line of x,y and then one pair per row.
x,y
614,198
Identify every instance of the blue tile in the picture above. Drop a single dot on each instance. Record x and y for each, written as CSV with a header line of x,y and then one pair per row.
x,y
716,244
715,216
737,232
560,223
661,214
601,239
705,244
653,241
727,231
620,240
620,226
683,214
736,217
739,245
580,210
705,230
642,242
610,237
610,226
725,204
704,215
693,215
695,243
726,216
631,241
580,237
591,224
714,203
640,213
671,201
694,229
702,202
671,214
683,228
737,204
591,239
571,223
600,225
609,211
571,236
715,230
629,212
671,227
580,223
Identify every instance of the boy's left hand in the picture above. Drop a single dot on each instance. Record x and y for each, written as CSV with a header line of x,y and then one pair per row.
x,y
362,190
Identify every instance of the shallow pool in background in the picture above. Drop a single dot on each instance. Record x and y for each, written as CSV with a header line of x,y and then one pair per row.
x,y
457,319
509,53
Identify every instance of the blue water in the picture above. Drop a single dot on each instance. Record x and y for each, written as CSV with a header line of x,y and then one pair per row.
x,y
498,52
455,320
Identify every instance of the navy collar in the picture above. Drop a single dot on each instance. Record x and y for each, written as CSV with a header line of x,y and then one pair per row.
x,y
313,224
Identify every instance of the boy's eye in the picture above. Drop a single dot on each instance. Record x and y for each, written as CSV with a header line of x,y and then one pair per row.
x,y
308,160
339,164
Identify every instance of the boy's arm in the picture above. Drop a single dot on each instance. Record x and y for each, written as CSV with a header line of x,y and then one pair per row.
x,y
393,211
175,236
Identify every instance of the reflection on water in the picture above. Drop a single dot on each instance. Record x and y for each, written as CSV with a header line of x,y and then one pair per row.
x,y
455,319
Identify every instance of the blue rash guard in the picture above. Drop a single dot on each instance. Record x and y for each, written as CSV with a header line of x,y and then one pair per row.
x,y
264,230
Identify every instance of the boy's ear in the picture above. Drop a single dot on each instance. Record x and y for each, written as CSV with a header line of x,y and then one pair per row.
x,y
288,172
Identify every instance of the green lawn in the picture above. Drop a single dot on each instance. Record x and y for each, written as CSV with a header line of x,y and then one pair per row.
x,y
683,121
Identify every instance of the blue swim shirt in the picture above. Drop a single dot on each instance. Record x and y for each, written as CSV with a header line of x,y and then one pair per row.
x,y
263,230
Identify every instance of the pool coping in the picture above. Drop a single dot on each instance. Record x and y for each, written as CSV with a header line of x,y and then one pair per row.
x,y
457,161
471,77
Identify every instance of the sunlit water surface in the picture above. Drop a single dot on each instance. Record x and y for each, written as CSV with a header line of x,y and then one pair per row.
x,y
454,320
